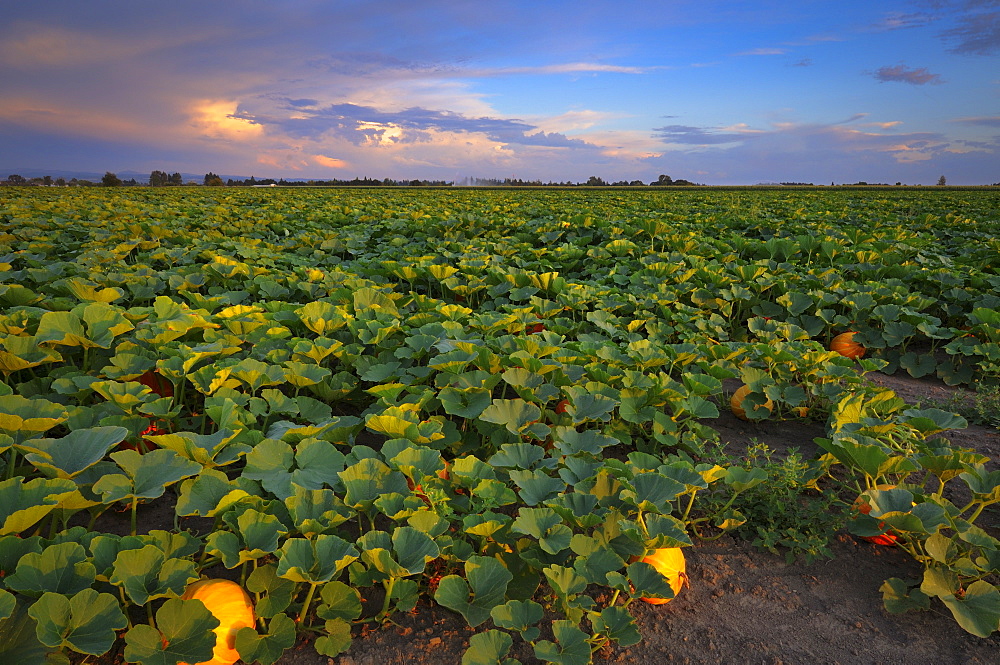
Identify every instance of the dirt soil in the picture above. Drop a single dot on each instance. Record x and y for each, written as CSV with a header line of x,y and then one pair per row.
x,y
743,605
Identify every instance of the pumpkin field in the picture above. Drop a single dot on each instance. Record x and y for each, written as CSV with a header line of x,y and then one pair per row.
x,y
495,426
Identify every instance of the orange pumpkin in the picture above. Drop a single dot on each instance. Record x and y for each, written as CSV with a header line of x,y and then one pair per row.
x,y
669,562
736,403
845,345
157,383
862,506
230,604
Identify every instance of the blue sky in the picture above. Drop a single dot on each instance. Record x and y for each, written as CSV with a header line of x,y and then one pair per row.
x,y
714,92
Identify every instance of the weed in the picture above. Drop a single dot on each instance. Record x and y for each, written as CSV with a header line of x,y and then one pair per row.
x,y
788,511
981,407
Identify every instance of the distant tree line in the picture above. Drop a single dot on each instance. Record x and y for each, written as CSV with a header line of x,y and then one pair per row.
x,y
161,179
355,182
592,181
46,181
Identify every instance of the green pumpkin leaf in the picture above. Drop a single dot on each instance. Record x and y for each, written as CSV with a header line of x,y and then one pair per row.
x,y
545,525
489,648
465,403
209,494
183,633
208,450
369,479
315,560
985,484
85,623
977,611
146,476
8,603
652,492
514,414
566,582
617,625
517,455
316,511
519,615
19,643
486,587
741,479
414,549
275,593
266,649
337,639
571,442
23,504
62,568
75,452
899,597
647,581
570,648
146,574
340,601
933,421
584,406
536,486
918,365
23,419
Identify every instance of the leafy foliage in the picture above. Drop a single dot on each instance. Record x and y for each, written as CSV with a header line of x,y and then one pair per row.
x,y
498,401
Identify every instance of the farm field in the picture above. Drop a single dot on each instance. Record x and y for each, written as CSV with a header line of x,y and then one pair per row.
x,y
447,426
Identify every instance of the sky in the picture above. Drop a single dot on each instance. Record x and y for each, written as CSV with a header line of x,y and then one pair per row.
x,y
713,92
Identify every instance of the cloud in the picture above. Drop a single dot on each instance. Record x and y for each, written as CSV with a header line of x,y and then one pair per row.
x,y
836,137
763,51
883,125
216,119
330,162
975,34
983,120
687,135
367,125
563,68
573,121
904,74
903,21
804,62
823,152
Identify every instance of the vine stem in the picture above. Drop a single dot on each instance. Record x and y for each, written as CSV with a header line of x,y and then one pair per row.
x,y
690,505
12,464
128,617
979,510
306,603
388,584
204,552
135,506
